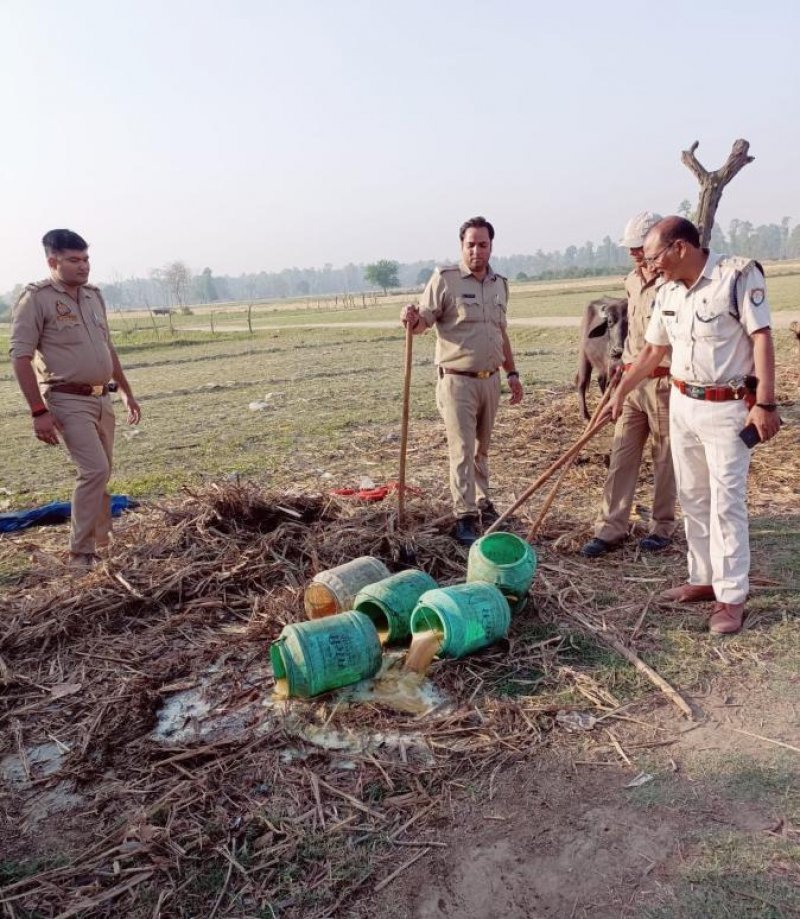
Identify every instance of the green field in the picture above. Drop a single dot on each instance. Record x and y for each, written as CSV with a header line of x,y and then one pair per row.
x,y
331,392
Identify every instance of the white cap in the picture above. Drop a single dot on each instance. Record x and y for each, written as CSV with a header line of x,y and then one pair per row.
x,y
637,228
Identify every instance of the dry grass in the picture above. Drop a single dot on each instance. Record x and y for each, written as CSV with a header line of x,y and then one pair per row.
x,y
247,816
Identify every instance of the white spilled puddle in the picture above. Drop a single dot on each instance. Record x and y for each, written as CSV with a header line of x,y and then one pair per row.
x,y
41,760
224,704
208,712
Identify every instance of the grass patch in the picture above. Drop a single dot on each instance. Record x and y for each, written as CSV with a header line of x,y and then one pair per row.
x,y
13,871
734,875
726,779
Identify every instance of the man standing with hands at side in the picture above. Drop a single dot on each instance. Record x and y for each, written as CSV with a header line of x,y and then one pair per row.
x,y
713,311
467,305
63,359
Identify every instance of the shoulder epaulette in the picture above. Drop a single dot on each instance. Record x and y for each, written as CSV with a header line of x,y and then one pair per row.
x,y
38,285
91,287
740,263
442,268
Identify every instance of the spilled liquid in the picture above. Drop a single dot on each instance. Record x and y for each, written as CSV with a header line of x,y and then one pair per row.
x,y
281,690
424,647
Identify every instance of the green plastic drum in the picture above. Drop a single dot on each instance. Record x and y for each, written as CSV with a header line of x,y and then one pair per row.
x,y
389,603
323,654
506,561
469,616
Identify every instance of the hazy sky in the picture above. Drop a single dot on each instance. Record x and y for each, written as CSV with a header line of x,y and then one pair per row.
x,y
250,136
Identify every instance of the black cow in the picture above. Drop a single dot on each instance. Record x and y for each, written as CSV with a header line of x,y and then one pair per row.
x,y
603,331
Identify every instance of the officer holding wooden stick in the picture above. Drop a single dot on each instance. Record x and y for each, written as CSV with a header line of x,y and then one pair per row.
x,y
713,311
467,305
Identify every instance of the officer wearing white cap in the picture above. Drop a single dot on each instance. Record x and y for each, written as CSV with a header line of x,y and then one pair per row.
x,y
645,414
713,311
467,305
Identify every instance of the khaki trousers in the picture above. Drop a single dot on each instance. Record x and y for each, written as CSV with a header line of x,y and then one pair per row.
x,y
468,407
88,435
645,413
711,466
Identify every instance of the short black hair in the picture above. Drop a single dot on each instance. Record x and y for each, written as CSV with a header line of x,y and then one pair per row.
x,y
60,240
680,228
478,223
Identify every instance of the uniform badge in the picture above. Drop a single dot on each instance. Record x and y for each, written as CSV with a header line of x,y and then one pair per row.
x,y
757,296
63,309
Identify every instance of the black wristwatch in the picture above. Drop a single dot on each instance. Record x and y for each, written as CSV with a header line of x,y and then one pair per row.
x,y
767,406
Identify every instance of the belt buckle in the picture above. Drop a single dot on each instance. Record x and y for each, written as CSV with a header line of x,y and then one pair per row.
x,y
737,387
695,392
97,390
483,374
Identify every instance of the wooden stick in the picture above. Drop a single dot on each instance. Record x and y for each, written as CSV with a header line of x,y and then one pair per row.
x,y
672,694
550,471
88,903
778,743
401,477
534,530
386,881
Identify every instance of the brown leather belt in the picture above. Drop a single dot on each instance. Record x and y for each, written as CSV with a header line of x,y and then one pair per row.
x,y
658,372
710,393
80,389
475,374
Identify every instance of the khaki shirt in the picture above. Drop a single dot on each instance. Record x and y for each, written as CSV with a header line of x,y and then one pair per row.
x,y
709,324
641,296
67,340
469,315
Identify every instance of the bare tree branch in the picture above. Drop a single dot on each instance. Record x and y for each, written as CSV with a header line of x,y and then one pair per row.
x,y
712,183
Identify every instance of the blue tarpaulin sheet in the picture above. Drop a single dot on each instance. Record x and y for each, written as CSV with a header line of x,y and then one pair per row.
x,y
55,512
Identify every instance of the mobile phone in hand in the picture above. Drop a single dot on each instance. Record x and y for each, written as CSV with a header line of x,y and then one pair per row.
x,y
750,435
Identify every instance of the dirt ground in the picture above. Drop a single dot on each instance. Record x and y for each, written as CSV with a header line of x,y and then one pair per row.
x,y
561,837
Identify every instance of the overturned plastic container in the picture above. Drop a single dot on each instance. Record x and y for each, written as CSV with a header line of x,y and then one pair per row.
x,y
334,591
313,657
468,616
506,561
389,603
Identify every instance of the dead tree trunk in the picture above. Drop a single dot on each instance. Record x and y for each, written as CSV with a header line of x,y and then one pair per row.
x,y
712,183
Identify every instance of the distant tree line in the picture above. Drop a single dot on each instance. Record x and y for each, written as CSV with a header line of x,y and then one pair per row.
x,y
175,286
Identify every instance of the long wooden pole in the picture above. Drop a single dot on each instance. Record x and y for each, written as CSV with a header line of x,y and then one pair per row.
x,y
401,478
656,679
550,471
534,530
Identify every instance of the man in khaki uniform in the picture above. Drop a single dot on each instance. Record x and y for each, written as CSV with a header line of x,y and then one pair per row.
x,y
712,311
645,413
63,359
467,304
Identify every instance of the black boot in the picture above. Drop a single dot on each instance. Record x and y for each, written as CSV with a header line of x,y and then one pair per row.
x,y
464,531
597,547
488,513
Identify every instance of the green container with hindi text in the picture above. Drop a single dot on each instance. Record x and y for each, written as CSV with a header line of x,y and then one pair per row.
x,y
313,657
389,603
469,616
